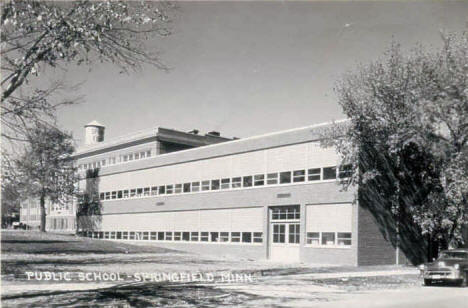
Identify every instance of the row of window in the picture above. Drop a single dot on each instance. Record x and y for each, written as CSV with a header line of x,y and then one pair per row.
x,y
286,177
214,237
328,238
115,160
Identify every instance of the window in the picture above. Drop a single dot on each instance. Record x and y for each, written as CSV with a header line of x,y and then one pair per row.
x,y
114,195
225,183
125,235
235,237
285,212
160,236
137,156
145,236
329,173
214,184
103,162
247,181
313,238
101,196
148,153
258,237
259,180
328,238
204,236
177,236
153,235
246,237
131,235
119,194
314,174
194,236
125,158
139,192
130,156
344,238
154,190
132,193
236,182
186,236
272,178
162,190
107,195
285,177
346,171
186,187
294,233
106,235
298,176
142,155
279,233
125,193
195,186
224,236
169,189
214,236
146,191
119,235
178,188
168,236
205,185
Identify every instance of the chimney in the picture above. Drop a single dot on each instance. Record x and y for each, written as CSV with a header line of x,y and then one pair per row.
x,y
94,133
213,133
194,131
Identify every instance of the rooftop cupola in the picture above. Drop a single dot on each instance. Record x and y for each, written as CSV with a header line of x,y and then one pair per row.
x,y
94,133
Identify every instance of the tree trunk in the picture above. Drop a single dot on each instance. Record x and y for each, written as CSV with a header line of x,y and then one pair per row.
x,y
43,214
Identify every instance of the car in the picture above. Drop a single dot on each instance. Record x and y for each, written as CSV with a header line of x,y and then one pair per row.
x,y
18,225
450,267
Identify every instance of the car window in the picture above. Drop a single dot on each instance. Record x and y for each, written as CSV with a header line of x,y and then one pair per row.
x,y
454,255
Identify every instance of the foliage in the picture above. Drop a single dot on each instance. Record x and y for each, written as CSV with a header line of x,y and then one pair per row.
x,y
88,214
40,34
407,139
44,169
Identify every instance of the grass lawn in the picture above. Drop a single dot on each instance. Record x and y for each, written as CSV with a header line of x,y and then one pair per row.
x,y
35,242
28,251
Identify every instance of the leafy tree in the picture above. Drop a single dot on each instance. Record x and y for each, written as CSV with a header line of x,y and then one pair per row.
x,y
88,214
407,139
46,34
44,170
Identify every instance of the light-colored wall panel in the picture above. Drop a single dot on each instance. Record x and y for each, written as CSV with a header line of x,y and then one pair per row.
x,y
329,217
287,158
248,163
318,156
249,219
215,220
186,221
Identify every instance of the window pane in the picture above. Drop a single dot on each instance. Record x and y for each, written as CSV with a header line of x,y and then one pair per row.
x,y
346,171
214,184
169,189
224,236
259,180
272,178
247,181
328,238
235,237
258,237
153,236
225,183
168,236
132,193
314,174
154,190
329,173
214,237
119,194
162,190
146,191
160,236
246,237
178,188
285,177
194,237
177,236
205,185
313,238
236,182
139,192
299,176
204,236
186,187
195,186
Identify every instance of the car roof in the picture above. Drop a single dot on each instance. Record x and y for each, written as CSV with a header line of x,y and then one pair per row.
x,y
457,250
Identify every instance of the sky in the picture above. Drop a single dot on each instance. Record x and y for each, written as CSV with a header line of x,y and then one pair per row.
x,y
250,68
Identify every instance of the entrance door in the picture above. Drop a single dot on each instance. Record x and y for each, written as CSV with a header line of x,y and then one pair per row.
x,y
285,230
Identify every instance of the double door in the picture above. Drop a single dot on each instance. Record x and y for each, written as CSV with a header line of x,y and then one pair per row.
x,y
285,230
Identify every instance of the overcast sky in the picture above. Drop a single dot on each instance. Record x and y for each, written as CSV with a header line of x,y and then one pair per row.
x,y
248,68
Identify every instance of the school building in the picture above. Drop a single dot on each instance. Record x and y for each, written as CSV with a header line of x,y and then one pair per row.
x,y
275,196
